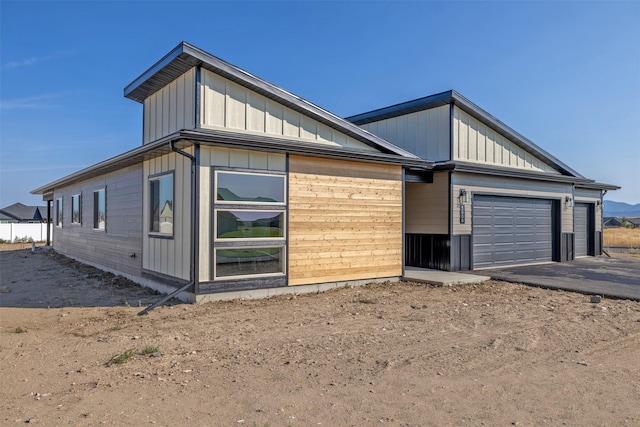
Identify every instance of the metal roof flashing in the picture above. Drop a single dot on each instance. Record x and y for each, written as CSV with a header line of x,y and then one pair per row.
x,y
455,98
185,56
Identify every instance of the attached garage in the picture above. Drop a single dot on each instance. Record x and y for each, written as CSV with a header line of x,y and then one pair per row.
x,y
581,227
511,230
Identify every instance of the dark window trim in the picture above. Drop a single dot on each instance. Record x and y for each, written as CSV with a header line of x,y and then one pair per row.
x,y
95,210
249,172
216,205
79,196
158,177
59,212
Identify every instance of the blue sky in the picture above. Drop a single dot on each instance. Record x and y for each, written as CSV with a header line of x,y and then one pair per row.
x,y
564,74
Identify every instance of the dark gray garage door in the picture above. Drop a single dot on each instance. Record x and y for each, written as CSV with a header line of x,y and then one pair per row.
x,y
581,228
509,230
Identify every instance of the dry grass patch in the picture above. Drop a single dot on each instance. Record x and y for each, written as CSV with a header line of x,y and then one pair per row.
x,y
624,237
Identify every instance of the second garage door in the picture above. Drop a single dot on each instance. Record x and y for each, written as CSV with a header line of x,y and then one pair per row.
x,y
509,230
581,228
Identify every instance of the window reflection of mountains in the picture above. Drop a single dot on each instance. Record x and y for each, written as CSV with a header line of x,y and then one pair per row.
x,y
232,225
229,196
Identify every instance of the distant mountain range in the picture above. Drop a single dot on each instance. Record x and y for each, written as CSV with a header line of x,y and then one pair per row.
x,y
620,209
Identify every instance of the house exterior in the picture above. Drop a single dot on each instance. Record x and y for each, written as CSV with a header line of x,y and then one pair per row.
x,y
20,213
611,222
240,185
495,199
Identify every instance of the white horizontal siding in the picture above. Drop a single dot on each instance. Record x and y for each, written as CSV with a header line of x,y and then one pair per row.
x,y
475,142
227,105
424,133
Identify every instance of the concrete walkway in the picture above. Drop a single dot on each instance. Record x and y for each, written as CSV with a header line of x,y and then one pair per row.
x,y
609,277
442,278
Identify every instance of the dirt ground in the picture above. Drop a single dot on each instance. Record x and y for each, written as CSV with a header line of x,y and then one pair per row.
x,y
401,354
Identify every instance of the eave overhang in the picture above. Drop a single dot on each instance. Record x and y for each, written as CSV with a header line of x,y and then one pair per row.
x,y
454,98
519,173
186,138
185,56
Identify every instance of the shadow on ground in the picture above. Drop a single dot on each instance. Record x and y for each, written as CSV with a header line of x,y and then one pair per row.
x,y
46,279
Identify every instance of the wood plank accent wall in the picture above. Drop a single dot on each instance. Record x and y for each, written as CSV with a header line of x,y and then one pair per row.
x,y
427,206
170,109
169,256
424,133
475,142
345,220
111,249
227,105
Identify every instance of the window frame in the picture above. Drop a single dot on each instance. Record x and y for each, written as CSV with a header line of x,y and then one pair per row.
x,y
254,243
217,172
283,262
77,197
59,212
248,239
96,204
158,178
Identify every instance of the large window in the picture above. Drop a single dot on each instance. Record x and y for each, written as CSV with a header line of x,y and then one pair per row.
x,y
59,212
76,209
249,223
99,210
161,209
240,187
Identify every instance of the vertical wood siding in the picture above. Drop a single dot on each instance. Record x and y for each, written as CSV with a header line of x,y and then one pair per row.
x,y
345,220
427,206
227,105
228,158
170,109
424,133
496,185
112,248
475,142
169,256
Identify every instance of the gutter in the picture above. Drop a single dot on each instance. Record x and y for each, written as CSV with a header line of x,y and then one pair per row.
x,y
193,261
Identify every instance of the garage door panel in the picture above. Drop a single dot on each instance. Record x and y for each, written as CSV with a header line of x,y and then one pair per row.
x,y
581,228
510,230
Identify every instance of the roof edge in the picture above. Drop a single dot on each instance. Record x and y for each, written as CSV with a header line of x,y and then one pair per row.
x,y
455,98
186,55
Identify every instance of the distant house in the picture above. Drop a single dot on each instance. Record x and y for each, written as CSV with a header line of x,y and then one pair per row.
x,y
633,222
241,185
611,222
21,213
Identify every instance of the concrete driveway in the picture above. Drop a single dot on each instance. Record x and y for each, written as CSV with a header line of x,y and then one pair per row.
x,y
610,277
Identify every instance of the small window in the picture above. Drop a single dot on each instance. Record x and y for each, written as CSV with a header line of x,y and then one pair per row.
x,y
161,209
99,210
59,212
76,214
252,261
239,187
246,224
